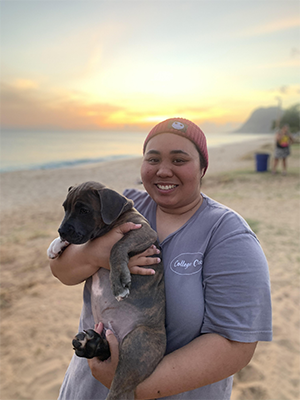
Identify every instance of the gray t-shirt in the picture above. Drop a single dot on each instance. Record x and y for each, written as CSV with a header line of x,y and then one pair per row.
x,y
216,280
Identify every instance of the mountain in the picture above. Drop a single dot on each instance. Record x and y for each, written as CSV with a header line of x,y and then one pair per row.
x,y
260,121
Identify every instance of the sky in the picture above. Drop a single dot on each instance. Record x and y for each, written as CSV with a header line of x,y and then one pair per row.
x,y
126,65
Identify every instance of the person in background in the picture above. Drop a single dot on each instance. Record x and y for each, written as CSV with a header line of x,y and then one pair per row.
x,y
218,303
283,141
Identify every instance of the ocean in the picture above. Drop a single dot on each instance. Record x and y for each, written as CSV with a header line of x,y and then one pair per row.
x,y
41,150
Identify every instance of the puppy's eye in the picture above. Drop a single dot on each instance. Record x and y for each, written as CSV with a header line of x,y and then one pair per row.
x,y
84,211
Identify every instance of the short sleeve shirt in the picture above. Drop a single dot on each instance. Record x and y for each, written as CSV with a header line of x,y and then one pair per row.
x,y
216,281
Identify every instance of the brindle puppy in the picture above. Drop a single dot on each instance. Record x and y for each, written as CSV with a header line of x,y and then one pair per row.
x,y
92,210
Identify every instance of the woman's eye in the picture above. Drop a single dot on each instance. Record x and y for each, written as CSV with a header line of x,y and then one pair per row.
x,y
179,161
153,160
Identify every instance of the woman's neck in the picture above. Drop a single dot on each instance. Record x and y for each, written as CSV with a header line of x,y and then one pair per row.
x,y
170,220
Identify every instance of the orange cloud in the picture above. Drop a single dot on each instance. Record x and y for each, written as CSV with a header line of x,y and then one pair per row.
x,y
28,108
24,84
274,26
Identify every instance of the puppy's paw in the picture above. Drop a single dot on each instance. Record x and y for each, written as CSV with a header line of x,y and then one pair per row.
x,y
121,295
56,248
90,344
120,283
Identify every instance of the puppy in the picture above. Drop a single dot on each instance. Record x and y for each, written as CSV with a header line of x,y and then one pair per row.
x,y
133,307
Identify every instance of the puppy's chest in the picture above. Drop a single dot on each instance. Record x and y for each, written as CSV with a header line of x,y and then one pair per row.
x,y
121,317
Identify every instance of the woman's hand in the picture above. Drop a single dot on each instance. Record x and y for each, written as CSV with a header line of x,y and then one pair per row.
x,y
104,371
137,262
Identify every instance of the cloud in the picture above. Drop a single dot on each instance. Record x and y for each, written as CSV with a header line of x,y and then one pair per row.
x,y
24,84
272,27
295,52
283,89
24,106
288,90
29,107
20,91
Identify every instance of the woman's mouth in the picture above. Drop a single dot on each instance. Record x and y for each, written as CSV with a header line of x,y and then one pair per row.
x,y
165,187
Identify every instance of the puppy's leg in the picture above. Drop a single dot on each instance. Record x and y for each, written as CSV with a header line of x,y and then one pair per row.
x,y
57,246
140,352
91,344
120,276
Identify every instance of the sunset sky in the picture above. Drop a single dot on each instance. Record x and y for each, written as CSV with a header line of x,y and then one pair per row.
x,y
89,65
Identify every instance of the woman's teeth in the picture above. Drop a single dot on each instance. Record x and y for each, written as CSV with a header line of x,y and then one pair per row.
x,y
166,187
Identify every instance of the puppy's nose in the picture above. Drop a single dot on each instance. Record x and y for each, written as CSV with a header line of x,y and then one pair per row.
x,y
65,230
61,233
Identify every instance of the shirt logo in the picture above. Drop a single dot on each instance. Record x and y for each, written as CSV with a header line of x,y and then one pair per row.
x,y
187,263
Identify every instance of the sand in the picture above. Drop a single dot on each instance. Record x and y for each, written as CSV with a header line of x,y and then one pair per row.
x,y
39,315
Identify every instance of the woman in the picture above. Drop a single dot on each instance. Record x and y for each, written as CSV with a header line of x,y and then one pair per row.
x,y
282,150
216,277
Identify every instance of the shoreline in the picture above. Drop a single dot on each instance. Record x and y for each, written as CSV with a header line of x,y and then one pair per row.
x,y
95,159
43,186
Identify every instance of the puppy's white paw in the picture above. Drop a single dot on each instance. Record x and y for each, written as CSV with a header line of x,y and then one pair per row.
x,y
122,295
56,248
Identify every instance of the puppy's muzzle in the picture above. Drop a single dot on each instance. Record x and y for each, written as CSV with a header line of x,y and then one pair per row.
x,y
68,232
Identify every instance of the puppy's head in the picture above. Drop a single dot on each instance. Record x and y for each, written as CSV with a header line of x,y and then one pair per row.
x,y
91,210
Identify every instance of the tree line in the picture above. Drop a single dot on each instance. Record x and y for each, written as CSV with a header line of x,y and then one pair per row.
x,y
291,117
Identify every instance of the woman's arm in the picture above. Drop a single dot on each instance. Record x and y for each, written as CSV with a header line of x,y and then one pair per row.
x,y
207,359
292,140
79,262
278,136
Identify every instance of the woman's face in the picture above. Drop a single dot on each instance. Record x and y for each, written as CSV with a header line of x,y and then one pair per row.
x,y
171,172
285,129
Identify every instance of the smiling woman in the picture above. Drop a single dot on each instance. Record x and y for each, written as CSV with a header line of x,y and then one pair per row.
x,y
171,172
216,278
175,160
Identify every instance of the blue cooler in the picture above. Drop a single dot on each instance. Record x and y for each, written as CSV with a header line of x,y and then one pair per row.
x,y
262,162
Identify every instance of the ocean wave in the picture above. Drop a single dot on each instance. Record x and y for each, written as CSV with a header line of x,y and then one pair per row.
x,y
64,163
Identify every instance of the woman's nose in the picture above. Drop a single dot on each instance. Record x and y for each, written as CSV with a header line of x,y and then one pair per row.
x,y
164,170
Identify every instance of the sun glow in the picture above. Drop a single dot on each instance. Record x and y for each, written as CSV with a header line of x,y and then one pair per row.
x,y
106,67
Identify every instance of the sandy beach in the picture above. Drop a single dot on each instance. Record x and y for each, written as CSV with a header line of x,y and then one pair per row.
x,y
39,315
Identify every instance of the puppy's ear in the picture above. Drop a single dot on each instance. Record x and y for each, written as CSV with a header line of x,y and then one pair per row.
x,y
112,205
70,188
